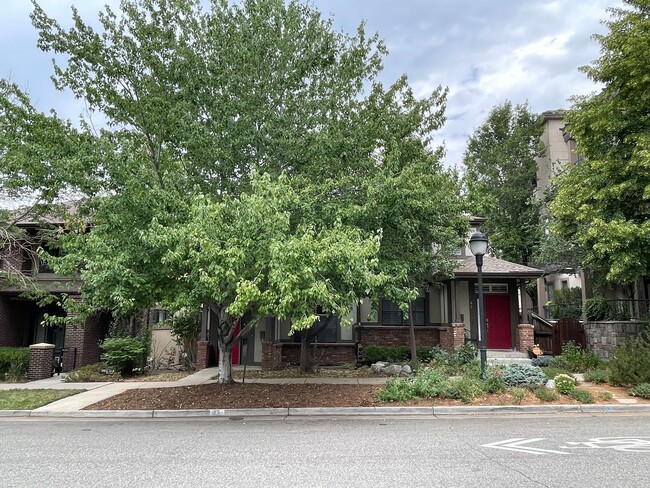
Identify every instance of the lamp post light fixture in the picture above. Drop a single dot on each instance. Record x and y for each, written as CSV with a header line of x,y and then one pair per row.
x,y
478,244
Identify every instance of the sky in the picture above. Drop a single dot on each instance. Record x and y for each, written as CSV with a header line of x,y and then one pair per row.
x,y
485,52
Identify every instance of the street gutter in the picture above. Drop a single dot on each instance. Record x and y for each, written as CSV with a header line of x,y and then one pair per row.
x,y
505,410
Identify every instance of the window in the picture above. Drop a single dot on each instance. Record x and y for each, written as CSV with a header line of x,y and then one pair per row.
x,y
391,314
328,334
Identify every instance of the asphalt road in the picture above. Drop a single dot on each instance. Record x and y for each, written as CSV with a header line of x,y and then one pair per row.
x,y
558,451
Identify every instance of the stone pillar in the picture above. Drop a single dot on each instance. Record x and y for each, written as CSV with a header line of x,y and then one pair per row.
x,y
202,354
41,357
525,336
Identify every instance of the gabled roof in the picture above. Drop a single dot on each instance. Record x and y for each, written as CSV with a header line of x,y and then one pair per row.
x,y
493,267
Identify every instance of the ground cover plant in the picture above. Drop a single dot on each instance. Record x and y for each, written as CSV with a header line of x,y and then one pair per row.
x,y
641,390
23,399
92,373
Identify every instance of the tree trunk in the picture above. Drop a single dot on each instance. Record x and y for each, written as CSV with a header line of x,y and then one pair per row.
x,y
306,365
225,365
306,336
414,349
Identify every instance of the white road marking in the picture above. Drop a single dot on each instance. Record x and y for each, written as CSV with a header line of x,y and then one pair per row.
x,y
517,445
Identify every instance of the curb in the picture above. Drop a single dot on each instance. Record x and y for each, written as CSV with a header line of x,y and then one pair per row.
x,y
335,411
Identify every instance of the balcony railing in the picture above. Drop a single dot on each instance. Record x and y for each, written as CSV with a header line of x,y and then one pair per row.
x,y
616,310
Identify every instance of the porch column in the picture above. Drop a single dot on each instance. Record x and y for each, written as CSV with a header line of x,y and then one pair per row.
x,y
525,336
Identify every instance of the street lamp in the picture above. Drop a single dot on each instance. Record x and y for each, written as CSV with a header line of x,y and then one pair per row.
x,y
478,244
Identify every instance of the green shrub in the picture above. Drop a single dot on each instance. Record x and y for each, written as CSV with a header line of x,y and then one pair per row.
x,y
464,388
91,373
518,394
564,383
494,382
551,372
427,383
630,364
559,362
597,308
522,374
123,354
596,376
583,396
541,361
396,390
641,390
545,394
576,359
14,362
391,354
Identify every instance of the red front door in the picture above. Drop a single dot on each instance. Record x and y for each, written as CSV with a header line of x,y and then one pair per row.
x,y
497,315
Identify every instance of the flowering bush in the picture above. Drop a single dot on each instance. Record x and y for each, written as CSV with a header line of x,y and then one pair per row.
x,y
564,383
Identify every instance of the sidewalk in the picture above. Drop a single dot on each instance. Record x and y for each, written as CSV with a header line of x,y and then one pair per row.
x,y
72,406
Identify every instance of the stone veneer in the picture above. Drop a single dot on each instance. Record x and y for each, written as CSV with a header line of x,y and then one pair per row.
x,y
603,337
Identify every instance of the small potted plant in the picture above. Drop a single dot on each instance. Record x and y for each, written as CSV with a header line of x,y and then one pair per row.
x,y
535,351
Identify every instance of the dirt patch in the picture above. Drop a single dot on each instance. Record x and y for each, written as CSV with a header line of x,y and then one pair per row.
x,y
259,395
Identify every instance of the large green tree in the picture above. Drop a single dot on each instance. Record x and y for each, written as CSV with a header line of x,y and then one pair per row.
x,y
499,180
604,200
198,102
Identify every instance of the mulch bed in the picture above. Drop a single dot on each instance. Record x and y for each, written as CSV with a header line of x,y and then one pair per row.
x,y
259,395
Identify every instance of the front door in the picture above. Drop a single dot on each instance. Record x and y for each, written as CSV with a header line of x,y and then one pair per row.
x,y
497,316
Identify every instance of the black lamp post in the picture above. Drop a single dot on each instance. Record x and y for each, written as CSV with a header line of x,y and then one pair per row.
x,y
478,244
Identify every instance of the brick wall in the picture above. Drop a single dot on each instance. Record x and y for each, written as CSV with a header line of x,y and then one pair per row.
x,y
40,361
283,354
74,338
94,331
603,337
383,335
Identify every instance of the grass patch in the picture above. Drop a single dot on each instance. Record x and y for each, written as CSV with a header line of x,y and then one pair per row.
x,y
29,399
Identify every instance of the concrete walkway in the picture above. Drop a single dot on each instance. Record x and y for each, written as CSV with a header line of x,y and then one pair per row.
x,y
72,406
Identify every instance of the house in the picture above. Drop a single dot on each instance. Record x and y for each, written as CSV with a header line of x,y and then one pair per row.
x,y
453,301
22,315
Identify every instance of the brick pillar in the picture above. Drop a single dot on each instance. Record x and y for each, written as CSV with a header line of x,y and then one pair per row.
x,y
41,357
202,354
525,336
458,336
271,356
446,339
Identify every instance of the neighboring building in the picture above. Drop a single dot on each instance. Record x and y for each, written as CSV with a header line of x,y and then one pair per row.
x,y
449,301
21,318
560,151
